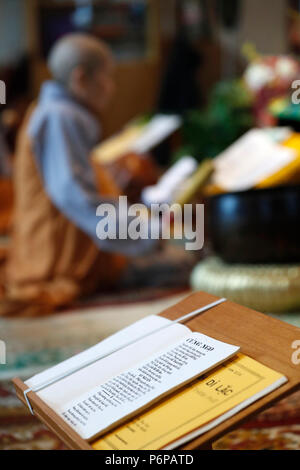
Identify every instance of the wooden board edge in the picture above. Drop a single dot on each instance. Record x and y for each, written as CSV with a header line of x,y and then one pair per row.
x,y
54,422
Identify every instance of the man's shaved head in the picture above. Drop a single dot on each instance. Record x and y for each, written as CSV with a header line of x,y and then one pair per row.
x,y
77,50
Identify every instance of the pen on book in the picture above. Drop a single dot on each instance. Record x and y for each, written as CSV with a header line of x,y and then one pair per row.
x,y
182,319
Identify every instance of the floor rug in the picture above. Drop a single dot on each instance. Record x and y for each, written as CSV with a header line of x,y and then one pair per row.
x,y
276,429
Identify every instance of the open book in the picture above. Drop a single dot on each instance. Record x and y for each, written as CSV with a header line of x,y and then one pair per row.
x,y
197,408
139,136
102,395
253,161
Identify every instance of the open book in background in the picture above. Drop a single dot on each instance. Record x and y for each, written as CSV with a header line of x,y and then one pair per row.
x,y
101,396
257,160
139,136
122,163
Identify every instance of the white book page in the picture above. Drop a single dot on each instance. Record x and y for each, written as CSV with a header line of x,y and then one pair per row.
x,y
69,388
156,131
229,414
107,405
250,160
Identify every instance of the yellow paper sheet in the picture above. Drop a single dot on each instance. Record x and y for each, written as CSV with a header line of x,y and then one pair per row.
x,y
197,404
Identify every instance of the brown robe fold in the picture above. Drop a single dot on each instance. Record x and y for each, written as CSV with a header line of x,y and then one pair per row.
x,y
51,262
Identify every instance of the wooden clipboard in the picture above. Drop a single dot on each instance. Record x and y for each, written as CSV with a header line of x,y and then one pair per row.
x,y
267,340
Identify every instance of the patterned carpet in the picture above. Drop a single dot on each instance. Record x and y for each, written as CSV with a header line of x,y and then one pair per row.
x,y
276,429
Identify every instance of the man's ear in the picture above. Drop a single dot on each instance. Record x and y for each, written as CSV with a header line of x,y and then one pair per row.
x,y
78,79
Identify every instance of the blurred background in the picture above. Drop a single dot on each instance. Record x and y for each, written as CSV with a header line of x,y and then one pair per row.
x,y
226,68
150,40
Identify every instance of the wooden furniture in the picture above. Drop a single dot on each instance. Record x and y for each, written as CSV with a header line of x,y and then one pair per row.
x,y
266,340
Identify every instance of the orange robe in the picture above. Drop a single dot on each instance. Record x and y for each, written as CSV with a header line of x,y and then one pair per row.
x,y
51,262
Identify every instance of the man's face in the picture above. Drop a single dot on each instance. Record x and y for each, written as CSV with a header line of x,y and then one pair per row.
x,y
96,90
102,86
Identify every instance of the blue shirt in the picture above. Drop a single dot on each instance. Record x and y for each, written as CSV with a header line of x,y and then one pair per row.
x,y
63,134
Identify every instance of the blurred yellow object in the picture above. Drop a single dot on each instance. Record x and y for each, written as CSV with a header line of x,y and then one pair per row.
x,y
118,145
267,288
212,190
278,105
250,53
196,183
291,172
